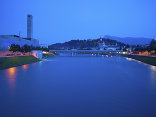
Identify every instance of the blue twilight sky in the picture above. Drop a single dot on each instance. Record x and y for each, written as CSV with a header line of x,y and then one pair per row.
x,y
63,20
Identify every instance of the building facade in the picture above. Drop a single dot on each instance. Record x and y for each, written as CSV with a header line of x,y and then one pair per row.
x,y
103,46
37,54
7,40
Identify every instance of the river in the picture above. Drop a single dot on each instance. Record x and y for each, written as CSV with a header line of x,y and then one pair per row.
x,y
79,86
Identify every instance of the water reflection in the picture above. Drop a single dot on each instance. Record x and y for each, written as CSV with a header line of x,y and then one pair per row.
x,y
96,84
25,67
11,72
153,73
153,68
129,59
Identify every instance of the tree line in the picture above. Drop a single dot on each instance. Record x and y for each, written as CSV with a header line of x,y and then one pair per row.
x,y
149,48
25,48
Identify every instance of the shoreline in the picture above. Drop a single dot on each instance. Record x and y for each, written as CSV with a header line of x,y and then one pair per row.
x,y
15,61
145,59
8,62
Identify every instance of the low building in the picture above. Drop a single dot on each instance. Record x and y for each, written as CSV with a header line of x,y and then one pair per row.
x,y
37,53
7,40
43,45
103,46
113,48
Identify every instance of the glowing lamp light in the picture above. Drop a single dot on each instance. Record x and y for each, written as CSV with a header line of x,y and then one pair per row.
x,y
44,52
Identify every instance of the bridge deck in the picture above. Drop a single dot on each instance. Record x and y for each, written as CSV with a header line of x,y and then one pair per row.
x,y
95,51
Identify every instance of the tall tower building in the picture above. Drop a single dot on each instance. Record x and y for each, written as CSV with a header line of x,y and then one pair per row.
x,y
29,26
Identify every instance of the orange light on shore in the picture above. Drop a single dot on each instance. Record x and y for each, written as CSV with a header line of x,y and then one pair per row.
x,y
9,48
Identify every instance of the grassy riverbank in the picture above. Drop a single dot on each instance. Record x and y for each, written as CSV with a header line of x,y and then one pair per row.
x,y
7,62
48,55
145,59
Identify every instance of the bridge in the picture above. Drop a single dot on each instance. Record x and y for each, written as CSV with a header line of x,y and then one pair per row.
x,y
88,51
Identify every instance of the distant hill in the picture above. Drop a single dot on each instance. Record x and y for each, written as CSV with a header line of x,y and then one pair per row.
x,y
85,44
94,43
131,40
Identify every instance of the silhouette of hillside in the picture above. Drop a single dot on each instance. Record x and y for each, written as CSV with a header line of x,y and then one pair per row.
x,y
131,40
85,44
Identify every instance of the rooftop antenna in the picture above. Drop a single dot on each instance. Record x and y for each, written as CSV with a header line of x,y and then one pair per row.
x,y
19,34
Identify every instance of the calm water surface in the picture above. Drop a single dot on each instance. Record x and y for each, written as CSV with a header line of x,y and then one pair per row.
x,y
79,87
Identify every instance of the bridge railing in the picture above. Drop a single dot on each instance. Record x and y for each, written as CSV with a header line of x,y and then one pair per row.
x,y
93,51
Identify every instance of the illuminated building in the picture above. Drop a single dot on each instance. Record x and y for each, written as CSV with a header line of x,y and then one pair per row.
x,y
7,40
29,26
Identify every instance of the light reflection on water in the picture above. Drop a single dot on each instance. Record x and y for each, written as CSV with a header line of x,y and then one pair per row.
x,y
129,59
153,68
11,73
85,83
153,74
25,67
